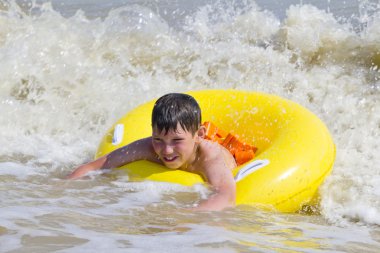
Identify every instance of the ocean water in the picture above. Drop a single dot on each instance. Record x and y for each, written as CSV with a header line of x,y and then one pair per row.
x,y
69,69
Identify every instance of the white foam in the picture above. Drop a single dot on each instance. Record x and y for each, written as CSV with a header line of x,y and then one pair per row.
x,y
18,170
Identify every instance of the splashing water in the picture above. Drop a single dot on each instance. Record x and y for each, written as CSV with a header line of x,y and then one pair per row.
x,y
65,78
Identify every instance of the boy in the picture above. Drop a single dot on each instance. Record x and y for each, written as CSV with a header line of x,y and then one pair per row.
x,y
177,142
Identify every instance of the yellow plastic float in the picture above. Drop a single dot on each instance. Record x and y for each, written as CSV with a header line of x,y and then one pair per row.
x,y
295,150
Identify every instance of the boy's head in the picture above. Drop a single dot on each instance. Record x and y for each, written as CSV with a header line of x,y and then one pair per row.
x,y
176,108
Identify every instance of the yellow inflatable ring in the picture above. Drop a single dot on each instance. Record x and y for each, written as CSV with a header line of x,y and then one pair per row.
x,y
295,150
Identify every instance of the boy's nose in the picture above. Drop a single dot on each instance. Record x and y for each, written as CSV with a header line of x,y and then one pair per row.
x,y
168,149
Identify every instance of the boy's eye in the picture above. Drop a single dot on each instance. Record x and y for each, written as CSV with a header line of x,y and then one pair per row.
x,y
178,140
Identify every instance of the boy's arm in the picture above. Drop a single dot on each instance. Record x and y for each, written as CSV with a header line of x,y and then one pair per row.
x,y
221,179
138,150
224,196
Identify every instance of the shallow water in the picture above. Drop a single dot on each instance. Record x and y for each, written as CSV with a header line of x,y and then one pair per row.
x,y
67,75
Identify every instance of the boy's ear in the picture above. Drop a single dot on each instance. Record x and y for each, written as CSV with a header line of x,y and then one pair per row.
x,y
202,132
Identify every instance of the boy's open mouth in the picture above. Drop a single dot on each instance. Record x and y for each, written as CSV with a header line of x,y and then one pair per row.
x,y
170,158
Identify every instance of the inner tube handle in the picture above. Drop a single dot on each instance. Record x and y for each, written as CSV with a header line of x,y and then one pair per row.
x,y
118,133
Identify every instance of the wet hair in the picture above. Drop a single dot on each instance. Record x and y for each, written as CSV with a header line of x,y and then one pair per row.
x,y
174,108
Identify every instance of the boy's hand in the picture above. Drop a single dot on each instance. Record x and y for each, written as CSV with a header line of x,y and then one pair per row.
x,y
84,169
78,172
216,202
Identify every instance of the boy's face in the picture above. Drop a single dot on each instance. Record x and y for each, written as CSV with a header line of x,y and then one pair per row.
x,y
176,149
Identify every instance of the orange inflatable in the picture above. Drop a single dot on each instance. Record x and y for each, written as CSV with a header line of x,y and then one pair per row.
x,y
242,152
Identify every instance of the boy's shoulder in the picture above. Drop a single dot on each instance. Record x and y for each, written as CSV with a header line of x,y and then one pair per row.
x,y
207,145
210,150
214,157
